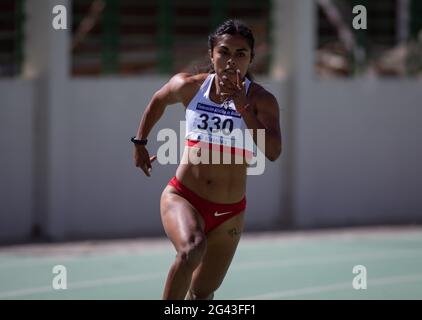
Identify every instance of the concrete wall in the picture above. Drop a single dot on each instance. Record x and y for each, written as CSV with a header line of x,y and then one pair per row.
x,y
16,159
353,154
358,158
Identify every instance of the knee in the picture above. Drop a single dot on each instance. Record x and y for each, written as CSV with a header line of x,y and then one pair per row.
x,y
208,295
192,251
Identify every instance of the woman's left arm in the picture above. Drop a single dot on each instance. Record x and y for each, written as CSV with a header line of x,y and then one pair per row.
x,y
268,118
267,114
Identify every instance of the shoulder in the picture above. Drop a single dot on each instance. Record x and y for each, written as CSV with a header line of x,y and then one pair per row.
x,y
262,98
187,81
185,85
180,87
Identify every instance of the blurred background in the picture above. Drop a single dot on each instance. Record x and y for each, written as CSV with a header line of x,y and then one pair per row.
x,y
350,105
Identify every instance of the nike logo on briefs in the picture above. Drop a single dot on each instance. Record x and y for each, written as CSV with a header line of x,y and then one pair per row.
x,y
217,214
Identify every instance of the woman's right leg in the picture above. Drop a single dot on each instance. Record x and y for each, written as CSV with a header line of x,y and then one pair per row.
x,y
184,226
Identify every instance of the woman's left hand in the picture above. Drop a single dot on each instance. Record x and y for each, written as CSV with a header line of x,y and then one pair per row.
x,y
235,91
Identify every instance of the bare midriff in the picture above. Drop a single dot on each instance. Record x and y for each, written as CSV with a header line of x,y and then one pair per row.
x,y
221,182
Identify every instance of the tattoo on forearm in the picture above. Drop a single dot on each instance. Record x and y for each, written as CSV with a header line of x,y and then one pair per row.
x,y
234,232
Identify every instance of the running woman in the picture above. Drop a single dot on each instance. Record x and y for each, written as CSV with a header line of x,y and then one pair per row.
x,y
203,205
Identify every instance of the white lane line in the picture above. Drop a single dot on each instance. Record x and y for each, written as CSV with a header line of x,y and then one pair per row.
x,y
84,284
29,262
59,259
391,254
334,287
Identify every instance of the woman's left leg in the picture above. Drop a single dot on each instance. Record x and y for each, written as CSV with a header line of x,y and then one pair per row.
x,y
222,243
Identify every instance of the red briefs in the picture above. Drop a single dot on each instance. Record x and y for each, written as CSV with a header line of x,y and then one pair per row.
x,y
213,213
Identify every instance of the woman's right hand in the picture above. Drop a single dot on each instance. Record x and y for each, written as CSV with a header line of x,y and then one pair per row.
x,y
142,159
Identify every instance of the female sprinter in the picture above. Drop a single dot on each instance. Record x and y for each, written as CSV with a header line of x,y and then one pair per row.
x,y
203,206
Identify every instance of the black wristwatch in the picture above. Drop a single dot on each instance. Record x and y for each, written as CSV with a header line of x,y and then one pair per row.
x,y
142,142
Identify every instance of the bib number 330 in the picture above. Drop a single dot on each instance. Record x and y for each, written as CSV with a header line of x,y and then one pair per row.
x,y
215,123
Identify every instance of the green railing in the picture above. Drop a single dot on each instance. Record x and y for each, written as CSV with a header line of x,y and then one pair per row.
x,y
268,5
110,37
415,18
12,19
360,56
19,35
165,36
414,57
218,12
166,23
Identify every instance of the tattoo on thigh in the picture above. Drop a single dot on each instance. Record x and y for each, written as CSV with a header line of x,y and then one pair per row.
x,y
234,232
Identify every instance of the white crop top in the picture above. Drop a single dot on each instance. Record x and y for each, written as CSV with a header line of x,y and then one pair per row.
x,y
217,124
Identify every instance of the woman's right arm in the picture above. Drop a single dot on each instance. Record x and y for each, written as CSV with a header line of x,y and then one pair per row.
x,y
172,92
